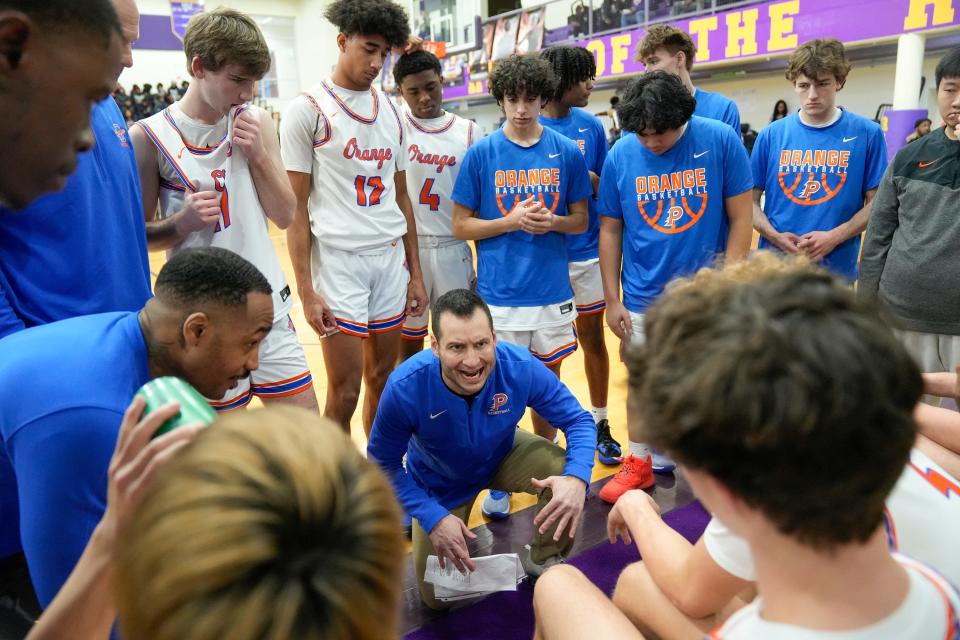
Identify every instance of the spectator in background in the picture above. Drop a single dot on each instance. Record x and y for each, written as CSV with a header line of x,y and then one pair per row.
x,y
748,135
920,128
577,20
780,111
611,113
632,13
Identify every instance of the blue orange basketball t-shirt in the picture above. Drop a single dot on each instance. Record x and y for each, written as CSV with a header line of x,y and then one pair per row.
x,y
586,131
672,205
519,269
717,107
815,178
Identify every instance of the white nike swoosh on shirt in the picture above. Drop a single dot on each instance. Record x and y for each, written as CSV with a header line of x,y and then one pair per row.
x,y
554,155
582,130
702,153
849,139
434,416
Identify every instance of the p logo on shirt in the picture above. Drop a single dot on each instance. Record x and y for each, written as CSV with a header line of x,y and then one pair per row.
x,y
811,177
499,401
672,202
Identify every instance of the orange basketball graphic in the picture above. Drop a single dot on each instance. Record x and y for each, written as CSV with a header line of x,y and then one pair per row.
x,y
811,187
677,216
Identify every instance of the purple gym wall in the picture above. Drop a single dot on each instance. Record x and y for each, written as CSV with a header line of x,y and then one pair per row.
x,y
767,29
897,125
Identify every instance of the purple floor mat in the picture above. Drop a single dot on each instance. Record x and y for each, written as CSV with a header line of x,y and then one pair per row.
x,y
508,615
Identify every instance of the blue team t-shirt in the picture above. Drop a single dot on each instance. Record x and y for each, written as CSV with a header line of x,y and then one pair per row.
x,y
453,448
672,205
717,107
83,250
64,388
519,269
815,178
586,131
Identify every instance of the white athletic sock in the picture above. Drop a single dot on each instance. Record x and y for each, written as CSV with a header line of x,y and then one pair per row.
x,y
639,449
599,413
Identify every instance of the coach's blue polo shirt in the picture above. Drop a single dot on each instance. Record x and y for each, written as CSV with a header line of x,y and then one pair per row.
x,y
454,448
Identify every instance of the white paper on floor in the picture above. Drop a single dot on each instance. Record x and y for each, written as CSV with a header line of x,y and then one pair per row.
x,y
499,572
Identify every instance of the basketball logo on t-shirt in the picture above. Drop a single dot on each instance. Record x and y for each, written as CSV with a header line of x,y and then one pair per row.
x,y
672,202
523,183
811,177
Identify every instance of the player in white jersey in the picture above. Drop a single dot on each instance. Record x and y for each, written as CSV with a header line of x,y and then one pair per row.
x,y
213,164
344,149
767,348
436,142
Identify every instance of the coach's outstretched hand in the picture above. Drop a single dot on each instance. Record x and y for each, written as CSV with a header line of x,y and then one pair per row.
x,y
566,506
449,540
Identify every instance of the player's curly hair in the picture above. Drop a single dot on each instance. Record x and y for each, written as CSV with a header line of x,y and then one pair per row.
x,y
527,74
571,65
370,17
411,63
816,57
656,100
754,372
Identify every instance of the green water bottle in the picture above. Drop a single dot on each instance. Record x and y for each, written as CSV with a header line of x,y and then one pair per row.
x,y
193,407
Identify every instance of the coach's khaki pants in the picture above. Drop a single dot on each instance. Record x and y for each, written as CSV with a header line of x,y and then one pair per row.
x,y
531,457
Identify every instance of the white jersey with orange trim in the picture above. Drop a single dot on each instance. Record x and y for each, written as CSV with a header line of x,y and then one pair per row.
x,y
352,144
435,150
194,156
928,612
922,518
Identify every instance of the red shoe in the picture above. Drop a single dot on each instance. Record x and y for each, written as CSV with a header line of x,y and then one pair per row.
x,y
634,474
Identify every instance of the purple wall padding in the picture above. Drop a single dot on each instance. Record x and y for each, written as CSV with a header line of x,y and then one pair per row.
x,y
899,124
156,32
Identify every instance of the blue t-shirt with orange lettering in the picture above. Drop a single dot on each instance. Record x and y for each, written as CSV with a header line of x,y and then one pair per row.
x,y
672,204
815,178
519,269
586,131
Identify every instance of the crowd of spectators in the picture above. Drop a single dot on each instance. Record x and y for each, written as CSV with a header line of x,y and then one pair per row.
x,y
142,102
620,14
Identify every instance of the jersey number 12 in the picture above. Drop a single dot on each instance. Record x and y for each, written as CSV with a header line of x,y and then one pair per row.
x,y
376,190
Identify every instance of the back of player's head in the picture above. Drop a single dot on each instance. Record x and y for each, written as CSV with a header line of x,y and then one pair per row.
x,y
223,37
460,303
825,55
775,379
571,65
949,66
269,524
669,38
370,17
517,75
96,18
657,100
208,275
411,63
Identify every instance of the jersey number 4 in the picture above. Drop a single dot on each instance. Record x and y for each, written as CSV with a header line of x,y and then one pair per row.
x,y
376,190
432,200
219,177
